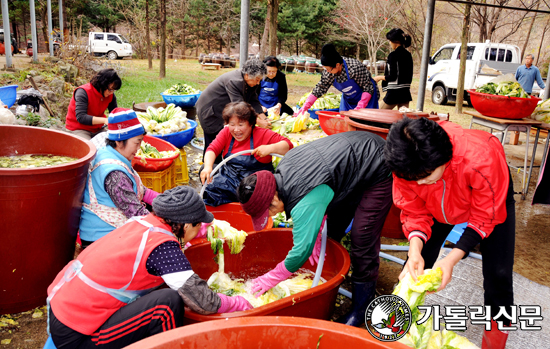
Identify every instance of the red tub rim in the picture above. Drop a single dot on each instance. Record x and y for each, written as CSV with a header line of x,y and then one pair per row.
x,y
279,304
328,327
50,169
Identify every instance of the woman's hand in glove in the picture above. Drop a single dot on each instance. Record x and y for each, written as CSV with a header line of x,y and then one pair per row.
x,y
269,280
231,304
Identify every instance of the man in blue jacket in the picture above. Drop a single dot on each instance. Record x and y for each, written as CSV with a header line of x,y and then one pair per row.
x,y
527,74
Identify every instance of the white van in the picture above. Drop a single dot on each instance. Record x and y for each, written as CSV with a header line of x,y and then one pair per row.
x,y
484,61
112,45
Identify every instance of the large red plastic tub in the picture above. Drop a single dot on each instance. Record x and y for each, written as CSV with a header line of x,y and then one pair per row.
x,y
155,165
267,333
235,215
503,106
332,122
262,251
40,213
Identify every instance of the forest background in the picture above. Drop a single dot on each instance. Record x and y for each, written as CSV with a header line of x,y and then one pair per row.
x,y
357,27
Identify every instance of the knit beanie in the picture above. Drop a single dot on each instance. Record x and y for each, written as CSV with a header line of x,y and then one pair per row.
x,y
124,124
182,205
329,56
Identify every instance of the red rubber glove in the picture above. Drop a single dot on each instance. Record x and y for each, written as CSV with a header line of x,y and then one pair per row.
x,y
314,258
231,304
309,102
269,280
365,98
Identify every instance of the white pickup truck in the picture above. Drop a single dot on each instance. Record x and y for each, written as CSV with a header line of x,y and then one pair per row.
x,y
484,61
112,45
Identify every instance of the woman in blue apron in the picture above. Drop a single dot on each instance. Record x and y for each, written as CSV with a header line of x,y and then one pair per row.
x,y
347,75
238,135
274,90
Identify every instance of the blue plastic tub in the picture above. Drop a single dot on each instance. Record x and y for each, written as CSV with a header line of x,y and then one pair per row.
x,y
8,94
182,101
180,139
312,112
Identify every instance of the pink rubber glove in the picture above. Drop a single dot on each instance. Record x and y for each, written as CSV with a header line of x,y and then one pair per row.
x,y
314,258
202,232
309,102
365,98
149,196
270,279
231,304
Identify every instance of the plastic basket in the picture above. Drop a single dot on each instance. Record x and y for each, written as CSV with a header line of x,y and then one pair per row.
x,y
182,172
180,139
155,165
182,101
8,94
332,122
159,181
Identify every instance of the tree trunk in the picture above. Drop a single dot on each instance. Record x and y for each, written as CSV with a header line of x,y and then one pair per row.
x,y
529,32
279,49
541,40
297,48
162,73
221,45
148,37
44,18
273,27
263,43
229,35
157,46
358,53
463,54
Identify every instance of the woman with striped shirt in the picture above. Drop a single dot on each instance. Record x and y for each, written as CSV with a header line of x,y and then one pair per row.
x,y
396,81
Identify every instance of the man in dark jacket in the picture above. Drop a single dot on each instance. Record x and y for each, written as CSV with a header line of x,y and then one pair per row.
x,y
241,85
342,176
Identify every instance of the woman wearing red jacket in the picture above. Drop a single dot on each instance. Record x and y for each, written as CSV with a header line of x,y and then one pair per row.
x,y
86,114
446,175
239,134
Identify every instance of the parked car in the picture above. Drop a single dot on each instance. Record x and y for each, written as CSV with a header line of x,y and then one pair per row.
x,y
484,61
112,45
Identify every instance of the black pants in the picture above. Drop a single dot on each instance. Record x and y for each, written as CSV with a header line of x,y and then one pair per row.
x,y
286,109
368,220
498,256
157,312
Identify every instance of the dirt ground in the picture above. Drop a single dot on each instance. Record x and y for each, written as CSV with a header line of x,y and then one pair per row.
x,y
532,254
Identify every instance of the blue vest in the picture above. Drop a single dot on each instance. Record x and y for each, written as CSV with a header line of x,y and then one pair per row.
x,y
91,226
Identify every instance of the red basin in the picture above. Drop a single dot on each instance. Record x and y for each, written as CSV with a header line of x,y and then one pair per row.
x,y
262,252
503,106
332,122
267,333
40,213
155,165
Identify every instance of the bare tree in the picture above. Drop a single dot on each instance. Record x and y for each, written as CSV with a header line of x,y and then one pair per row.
x,y
162,71
368,21
263,43
497,24
148,37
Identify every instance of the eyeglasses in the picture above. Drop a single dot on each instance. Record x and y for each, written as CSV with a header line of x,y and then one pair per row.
x,y
112,90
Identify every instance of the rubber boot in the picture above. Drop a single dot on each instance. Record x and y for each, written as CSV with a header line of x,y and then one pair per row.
x,y
494,339
363,294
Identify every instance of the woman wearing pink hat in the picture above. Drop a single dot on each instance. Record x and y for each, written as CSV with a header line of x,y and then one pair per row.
x,y
114,191
339,177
